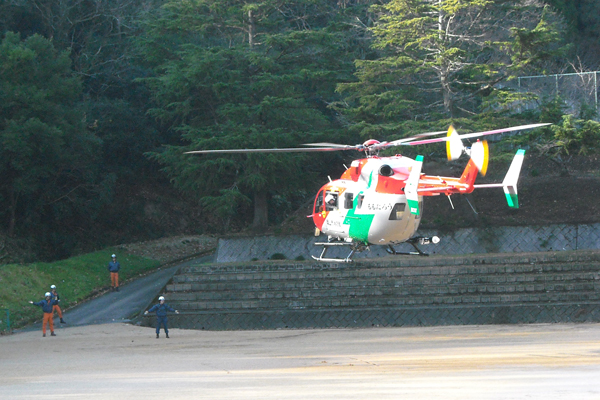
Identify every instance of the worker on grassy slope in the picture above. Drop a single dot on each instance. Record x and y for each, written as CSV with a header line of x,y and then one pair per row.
x,y
161,315
47,304
56,307
113,268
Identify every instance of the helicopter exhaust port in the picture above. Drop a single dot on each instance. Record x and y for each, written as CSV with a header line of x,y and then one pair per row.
x,y
386,170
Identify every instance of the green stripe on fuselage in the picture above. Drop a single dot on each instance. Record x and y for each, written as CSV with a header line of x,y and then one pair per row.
x,y
359,223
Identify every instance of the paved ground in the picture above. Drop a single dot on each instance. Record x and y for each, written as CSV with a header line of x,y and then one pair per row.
x,y
123,361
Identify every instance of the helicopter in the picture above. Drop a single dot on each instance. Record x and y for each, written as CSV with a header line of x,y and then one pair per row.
x,y
378,200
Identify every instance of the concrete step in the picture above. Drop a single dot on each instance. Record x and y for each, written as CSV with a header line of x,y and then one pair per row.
x,y
386,301
277,290
389,279
426,274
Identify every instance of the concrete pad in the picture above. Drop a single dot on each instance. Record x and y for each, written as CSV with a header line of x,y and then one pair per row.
x,y
110,361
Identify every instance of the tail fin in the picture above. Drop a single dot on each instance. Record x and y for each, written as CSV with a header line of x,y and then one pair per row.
x,y
509,184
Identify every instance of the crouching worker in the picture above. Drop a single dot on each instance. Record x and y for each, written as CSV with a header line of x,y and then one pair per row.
x,y
161,310
47,304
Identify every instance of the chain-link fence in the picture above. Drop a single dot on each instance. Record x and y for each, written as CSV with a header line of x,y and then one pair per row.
x,y
578,91
507,239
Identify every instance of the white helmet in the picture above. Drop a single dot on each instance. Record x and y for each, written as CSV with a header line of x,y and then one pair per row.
x,y
53,287
114,256
161,298
47,294
329,198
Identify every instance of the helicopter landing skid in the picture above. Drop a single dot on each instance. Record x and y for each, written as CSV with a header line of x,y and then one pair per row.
x,y
326,245
413,242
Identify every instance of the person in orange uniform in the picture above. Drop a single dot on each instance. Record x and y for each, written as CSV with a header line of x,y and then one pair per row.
x,y
113,268
56,307
47,304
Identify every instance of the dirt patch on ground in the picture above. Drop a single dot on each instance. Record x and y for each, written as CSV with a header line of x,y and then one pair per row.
x,y
172,249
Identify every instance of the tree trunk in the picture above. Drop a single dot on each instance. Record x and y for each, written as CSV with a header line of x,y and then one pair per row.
x,y
261,211
446,93
12,214
250,28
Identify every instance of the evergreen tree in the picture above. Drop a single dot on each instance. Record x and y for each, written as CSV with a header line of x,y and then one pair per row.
x,y
244,75
47,158
440,58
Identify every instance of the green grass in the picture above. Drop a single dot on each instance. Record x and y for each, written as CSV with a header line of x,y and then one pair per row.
x,y
76,279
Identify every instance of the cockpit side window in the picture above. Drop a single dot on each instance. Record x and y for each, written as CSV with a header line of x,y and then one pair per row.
x,y
331,201
348,200
359,201
319,202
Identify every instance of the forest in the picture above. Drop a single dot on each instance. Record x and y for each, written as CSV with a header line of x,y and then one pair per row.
x,y
100,99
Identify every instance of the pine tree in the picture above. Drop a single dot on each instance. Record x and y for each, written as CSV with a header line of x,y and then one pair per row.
x,y
243,75
440,58
47,168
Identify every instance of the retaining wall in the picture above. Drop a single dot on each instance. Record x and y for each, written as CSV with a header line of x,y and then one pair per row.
x,y
508,239
542,287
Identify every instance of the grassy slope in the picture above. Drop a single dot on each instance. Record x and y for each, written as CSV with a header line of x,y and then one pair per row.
x,y
76,279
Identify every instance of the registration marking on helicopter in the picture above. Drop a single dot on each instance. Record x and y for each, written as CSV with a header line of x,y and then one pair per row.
x,y
379,206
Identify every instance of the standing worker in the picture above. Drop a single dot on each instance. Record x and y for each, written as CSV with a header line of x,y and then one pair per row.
x,y
161,315
47,305
56,307
114,268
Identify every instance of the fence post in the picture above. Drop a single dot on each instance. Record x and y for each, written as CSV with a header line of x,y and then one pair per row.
x,y
7,320
596,88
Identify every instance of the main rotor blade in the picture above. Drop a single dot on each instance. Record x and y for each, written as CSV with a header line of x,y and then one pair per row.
x,y
378,146
288,150
477,134
408,139
334,145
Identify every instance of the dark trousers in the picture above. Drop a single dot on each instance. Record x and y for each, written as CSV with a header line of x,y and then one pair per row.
x,y
163,321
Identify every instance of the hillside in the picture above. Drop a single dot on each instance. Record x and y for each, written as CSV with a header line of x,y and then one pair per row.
x,y
546,196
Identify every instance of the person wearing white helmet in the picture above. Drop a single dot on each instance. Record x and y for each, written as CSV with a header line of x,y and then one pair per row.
x,y
161,310
47,305
113,268
56,307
